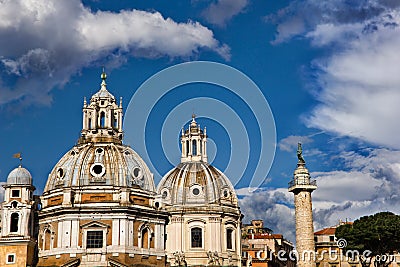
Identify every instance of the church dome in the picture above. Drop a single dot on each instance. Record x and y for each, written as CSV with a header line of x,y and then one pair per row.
x,y
101,164
194,181
19,176
100,159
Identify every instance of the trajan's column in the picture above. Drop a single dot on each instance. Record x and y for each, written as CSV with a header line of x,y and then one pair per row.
x,y
302,187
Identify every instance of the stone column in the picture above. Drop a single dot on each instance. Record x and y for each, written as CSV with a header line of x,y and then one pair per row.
x,y
302,187
304,229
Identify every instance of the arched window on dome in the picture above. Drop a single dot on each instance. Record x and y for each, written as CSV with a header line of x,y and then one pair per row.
x,y
90,124
194,147
196,237
102,119
187,148
115,122
14,222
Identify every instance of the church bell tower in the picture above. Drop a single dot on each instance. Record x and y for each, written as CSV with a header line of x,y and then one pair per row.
x,y
18,220
302,187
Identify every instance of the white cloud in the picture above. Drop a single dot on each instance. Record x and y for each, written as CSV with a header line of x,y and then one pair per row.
x,y
358,85
360,89
44,43
245,191
326,34
221,11
342,186
274,207
290,143
368,186
302,17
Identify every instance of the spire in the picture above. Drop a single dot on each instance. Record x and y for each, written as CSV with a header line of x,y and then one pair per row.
x,y
103,80
193,122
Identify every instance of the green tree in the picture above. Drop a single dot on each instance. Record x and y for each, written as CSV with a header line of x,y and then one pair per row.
x,y
378,233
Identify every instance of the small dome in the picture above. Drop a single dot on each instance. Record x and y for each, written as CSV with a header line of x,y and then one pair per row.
x,y
196,183
19,176
101,164
103,93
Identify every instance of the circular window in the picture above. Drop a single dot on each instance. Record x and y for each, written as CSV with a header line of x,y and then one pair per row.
x,y
99,150
97,170
137,172
60,173
127,153
157,205
196,191
73,153
165,194
226,193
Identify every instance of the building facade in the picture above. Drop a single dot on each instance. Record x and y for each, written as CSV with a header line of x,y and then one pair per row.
x,y
18,220
330,253
100,206
205,221
262,248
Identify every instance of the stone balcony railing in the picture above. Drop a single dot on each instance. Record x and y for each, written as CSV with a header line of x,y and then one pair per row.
x,y
295,182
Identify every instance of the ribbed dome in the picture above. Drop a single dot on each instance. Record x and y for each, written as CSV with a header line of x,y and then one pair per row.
x,y
19,176
101,164
103,93
196,183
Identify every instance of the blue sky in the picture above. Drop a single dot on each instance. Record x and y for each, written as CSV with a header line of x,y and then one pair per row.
x,y
328,70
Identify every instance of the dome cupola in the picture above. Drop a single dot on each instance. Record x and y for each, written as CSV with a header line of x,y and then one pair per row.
x,y
194,143
19,176
102,117
194,181
101,164
100,159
